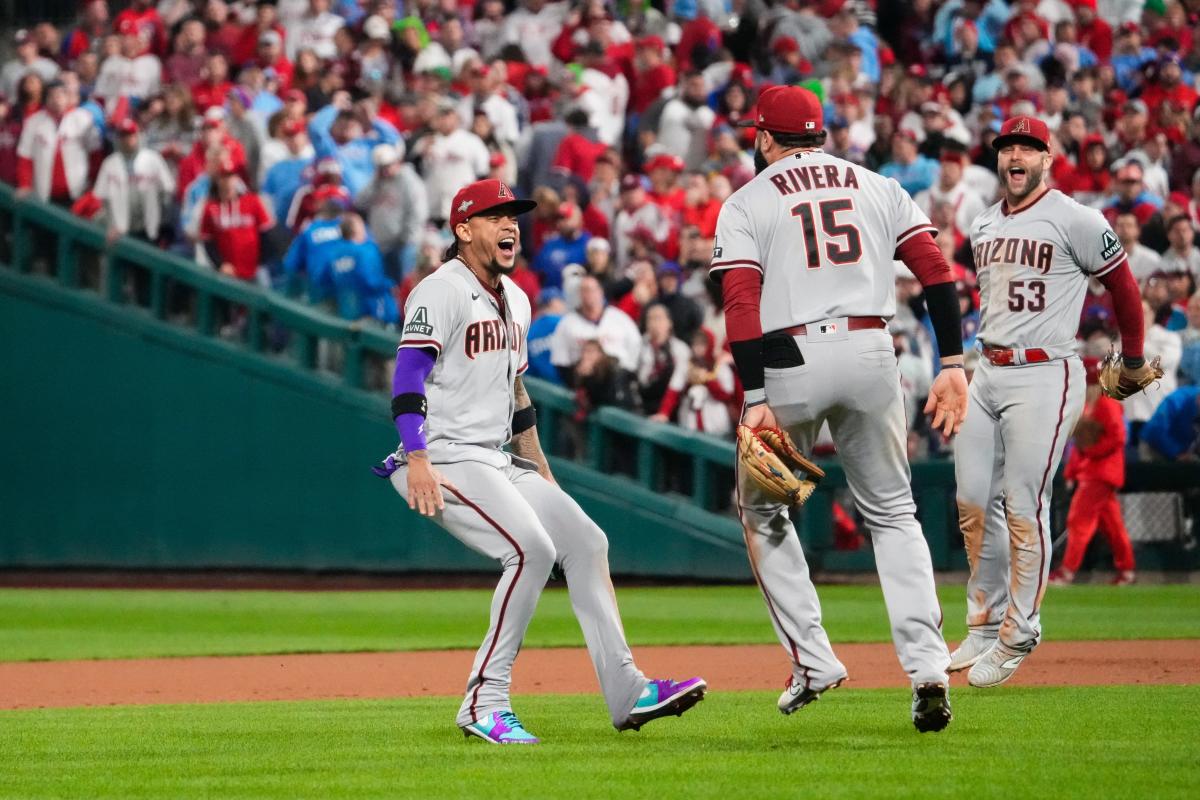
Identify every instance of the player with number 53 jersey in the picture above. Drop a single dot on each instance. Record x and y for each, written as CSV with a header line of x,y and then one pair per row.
x,y
1034,253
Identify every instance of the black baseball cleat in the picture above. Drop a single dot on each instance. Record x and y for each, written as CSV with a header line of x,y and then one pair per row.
x,y
931,707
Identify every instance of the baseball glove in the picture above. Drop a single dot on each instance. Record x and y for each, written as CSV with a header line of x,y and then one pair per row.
x,y
771,459
1119,381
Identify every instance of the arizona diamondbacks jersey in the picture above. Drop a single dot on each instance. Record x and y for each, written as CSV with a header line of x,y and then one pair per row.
x,y
823,232
1033,266
479,336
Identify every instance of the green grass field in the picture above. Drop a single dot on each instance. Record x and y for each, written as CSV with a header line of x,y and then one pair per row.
x,y
1061,742
59,624
1084,743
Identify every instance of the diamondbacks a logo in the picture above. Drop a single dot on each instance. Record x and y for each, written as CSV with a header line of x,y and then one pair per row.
x,y
419,323
464,205
504,192
1109,246
1022,125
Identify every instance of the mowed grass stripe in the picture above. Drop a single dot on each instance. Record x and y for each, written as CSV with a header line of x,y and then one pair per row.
x,y
69,624
1061,743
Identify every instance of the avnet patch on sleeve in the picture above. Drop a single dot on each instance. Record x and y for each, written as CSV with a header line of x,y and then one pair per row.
x,y
419,323
1109,246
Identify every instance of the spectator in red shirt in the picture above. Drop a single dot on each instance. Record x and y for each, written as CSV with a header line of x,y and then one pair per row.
x,y
186,64
652,75
211,91
212,133
699,35
224,29
92,27
1094,33
1090,178
1169,87
579,150
269,56
665,191
1024,18
700,207
232,225
144,15
266,18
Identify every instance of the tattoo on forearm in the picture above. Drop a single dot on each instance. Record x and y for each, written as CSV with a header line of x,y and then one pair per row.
x,y
526,444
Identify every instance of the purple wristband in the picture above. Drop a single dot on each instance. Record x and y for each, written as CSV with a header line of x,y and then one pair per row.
x,y
413,366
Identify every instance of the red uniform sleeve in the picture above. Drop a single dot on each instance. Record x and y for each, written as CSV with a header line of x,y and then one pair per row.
x,y
1127,303
922,255
261,215
742,289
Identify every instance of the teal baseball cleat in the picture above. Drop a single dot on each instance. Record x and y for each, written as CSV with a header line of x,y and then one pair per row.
x,y
661,698
500,727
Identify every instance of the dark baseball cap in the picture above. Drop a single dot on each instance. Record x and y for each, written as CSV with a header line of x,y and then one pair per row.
x,y
787,109
1023,130
482,196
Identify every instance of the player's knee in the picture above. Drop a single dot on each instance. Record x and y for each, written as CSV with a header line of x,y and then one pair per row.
x,y
539,553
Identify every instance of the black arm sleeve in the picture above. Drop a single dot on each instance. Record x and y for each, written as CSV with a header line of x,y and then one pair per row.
x,y
748,358
941,299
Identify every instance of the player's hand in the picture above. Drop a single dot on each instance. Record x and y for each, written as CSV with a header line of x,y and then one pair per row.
x,y
425,486
948,401
759,416
658,418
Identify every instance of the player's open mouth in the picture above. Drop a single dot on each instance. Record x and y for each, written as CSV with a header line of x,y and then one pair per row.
x,y
507,245
1014,172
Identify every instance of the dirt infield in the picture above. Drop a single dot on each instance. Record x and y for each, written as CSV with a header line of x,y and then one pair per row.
x,y
379,675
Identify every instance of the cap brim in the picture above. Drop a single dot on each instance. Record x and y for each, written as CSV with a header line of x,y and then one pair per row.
x,y
1019,138
515,207
746,123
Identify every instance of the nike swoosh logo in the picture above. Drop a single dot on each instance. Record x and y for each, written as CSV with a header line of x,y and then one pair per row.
x,y
1013,662
474,295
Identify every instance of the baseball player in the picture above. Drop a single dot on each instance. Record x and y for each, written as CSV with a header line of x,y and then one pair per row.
x,y
457,399
1034,252
805,253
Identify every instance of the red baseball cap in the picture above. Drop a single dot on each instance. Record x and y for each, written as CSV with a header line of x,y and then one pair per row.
x,y
487,195
665,161
336,194
293,127
295,96
1027,130
787,109
127,125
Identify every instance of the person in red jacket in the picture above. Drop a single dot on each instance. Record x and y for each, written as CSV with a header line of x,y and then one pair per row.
x,y
144,15
1097,465
212,133
577,152
232,225
652,74
1094,33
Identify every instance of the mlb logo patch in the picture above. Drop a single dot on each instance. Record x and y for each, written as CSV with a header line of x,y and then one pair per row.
x,y
830,327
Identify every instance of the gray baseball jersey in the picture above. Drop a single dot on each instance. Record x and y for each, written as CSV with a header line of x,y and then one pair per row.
x,y
498,505
1033,268
480,352
822,231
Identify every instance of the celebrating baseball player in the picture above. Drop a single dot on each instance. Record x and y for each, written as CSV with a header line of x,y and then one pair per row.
x,y
457,399
1034,252
805,252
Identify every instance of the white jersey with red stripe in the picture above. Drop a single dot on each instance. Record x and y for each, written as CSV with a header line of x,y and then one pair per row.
x,y
1033,266
823,231
479,337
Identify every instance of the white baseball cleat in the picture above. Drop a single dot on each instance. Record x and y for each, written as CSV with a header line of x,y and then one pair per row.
x,y
797,695
995,667
971,650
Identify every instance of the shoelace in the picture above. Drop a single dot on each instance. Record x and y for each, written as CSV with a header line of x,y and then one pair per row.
x,y
510,719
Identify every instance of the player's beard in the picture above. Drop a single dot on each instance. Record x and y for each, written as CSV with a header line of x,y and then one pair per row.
x,y
497,268
1033,182
760,161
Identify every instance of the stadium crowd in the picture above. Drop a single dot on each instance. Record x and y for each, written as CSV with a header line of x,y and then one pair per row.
x,y
314,146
